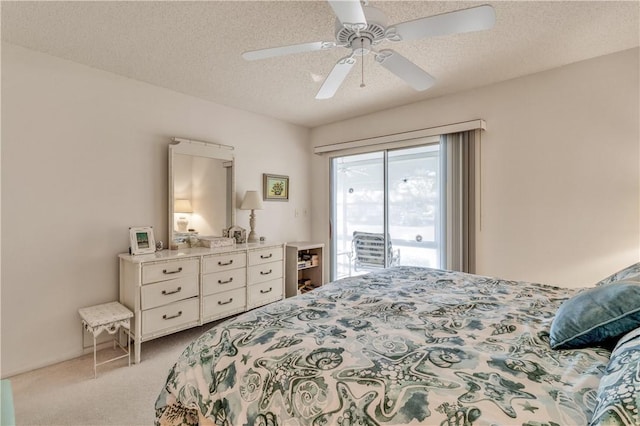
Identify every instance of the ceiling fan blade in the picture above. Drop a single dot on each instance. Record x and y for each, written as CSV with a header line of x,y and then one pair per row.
x,y
287,50
349,13
336,77
415,76
461,21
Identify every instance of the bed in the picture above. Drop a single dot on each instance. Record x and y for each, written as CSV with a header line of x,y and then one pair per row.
x,y
409,345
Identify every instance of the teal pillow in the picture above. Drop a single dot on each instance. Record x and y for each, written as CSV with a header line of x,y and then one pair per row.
x,y
597,317
630,273
618,396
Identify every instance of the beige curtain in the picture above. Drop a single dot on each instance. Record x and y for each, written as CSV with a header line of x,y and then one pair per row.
x,y
458,160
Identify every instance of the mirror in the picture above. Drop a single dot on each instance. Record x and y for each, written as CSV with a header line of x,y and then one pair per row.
x,y
201,191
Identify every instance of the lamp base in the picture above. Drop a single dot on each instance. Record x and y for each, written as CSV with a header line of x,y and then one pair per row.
x,y
182,224
252,238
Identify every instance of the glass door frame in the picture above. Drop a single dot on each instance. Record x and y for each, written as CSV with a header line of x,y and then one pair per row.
x,y
384,149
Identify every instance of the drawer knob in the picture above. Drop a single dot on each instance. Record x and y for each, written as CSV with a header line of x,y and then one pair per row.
x,y
266,257
226,263
166,293
266,291
225,282
225,303
172,316
164,271
266,273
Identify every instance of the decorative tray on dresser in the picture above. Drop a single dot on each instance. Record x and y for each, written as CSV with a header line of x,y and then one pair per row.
x,y
172,290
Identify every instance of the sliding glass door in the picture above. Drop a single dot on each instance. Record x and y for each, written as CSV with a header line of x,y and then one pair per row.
x,y
386,210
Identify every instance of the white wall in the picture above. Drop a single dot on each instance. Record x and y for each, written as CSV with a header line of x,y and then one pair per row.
x,y
560,168
84,156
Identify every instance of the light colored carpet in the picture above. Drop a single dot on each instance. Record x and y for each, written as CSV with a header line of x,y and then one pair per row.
x,y
67,393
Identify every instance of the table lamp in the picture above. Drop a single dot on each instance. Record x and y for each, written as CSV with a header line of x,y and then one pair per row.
x,y
252,201
182,206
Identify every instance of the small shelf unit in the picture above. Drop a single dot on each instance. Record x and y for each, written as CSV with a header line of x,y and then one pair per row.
x,y
305,267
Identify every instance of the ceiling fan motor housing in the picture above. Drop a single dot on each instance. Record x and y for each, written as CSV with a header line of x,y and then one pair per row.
x,y
373,34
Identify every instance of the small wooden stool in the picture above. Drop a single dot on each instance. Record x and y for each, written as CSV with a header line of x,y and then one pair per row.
x,y
107,317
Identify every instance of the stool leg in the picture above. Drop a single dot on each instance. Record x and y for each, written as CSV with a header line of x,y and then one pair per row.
x,y
136,350
95,367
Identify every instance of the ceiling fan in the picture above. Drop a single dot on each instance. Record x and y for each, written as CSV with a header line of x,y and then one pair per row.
x,y
360,27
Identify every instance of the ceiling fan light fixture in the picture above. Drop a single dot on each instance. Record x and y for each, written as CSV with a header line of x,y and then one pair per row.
x,y
361,46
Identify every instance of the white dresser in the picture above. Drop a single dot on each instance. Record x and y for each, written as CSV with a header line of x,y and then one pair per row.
x,y
173,290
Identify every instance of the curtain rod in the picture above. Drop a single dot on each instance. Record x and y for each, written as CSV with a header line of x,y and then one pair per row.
x,y
430,131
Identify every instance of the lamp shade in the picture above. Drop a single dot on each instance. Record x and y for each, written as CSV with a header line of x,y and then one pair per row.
x,y
251,201
182,206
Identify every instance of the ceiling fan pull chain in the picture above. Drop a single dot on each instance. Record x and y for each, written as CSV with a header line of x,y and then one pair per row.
x,y
362,64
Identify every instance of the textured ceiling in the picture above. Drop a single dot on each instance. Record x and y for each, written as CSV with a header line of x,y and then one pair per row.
x,y
195,47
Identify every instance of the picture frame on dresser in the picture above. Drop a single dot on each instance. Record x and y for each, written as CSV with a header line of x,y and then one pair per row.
x,y
238,233
141,240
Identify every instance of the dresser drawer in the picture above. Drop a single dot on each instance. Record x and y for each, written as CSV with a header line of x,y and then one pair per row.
x,y
224,281
261,273
224,262
259,257
263,293
165,292
170,316
226,303
170,269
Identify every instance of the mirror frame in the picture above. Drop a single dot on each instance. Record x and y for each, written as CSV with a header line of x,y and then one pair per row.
x,y
208,150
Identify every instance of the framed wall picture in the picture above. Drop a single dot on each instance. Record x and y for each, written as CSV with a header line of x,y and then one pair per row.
x,y
141,240
275,187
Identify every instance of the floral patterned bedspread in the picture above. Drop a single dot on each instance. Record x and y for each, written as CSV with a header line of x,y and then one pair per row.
x,y
401,346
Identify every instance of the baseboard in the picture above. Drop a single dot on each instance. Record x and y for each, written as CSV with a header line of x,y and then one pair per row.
x,y
63,358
